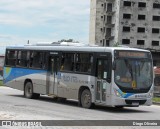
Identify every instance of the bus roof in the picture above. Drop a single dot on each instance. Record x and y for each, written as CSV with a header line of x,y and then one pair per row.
x,y
74,48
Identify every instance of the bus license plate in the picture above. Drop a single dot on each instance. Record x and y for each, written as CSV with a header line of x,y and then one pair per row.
x,y
135,103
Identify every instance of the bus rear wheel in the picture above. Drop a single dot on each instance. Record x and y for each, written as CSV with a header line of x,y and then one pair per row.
x,y
86,99
28,91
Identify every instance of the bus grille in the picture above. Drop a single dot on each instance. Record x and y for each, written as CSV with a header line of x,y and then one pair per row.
x,y
141,102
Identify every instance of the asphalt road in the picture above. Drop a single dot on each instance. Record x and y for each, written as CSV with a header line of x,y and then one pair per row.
x,y
13,106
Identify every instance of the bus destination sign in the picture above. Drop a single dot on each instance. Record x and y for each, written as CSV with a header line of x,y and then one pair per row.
x,y
132,54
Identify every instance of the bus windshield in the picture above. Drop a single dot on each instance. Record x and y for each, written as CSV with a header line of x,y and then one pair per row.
x,y
133,74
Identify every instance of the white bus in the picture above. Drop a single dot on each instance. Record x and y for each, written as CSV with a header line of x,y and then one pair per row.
x,y
109,76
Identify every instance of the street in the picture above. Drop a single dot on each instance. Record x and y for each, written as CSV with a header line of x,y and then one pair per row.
x,y
13,106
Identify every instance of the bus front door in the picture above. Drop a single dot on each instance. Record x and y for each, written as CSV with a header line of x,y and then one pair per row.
x,y
53,69
102,73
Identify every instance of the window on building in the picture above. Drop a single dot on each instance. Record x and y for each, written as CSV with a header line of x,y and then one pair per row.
x,y
109,19
104,18
67,61
126,16
108,32
23,58
141,17
155,30
156,18
141,30
141,4
36,59
155,43
84,62
107,42
126,29
127,3
109,7
104,5
11,57
103,42
156,5
140,42
125,41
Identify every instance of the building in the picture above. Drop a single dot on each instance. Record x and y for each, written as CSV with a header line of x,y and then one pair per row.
x,y
135,23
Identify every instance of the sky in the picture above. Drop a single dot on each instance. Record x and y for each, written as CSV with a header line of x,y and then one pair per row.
x,y
43,21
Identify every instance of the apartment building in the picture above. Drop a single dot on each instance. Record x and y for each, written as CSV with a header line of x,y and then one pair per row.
x,y
134,23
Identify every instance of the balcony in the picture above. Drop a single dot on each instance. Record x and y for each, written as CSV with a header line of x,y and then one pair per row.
x,y
110,12
109,24
109,37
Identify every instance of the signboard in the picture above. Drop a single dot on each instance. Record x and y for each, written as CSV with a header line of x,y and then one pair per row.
x,y
132,54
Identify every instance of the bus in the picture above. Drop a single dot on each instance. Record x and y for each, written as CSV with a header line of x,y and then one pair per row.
x,y
107,76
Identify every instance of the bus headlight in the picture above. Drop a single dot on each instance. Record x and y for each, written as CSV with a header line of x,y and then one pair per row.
x,y
117,93
150,95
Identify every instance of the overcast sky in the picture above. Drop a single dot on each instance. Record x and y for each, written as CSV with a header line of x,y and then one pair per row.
x,y
43,21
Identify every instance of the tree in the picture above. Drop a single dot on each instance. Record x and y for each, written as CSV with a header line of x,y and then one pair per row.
x,y
116,44
68,40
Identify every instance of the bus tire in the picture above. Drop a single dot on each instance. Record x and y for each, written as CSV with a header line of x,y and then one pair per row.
x,y
28,91
86,99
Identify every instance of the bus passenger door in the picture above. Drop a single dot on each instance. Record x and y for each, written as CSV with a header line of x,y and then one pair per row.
x,y
103,80
53,69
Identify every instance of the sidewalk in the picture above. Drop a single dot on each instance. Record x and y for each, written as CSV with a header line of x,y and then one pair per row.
x,y
156,103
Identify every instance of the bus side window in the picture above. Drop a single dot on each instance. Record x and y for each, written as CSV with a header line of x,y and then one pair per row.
x,y
11,58
68,64
62,63
44,61
37,58
84,62
22,58
31,59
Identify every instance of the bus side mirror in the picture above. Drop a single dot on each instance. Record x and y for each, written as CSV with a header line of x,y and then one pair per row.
x,y
114,65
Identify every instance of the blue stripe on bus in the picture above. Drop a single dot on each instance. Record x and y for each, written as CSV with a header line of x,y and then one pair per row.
x,y
13,73
125,95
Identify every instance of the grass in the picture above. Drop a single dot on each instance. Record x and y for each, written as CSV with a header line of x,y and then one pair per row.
x,y
1,83
156,99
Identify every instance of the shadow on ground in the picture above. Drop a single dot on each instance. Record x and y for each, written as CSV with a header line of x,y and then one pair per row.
x,y
97,108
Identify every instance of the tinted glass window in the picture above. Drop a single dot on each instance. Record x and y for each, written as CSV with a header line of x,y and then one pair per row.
x,y
36,59
23,58
11,56
84,62
67,61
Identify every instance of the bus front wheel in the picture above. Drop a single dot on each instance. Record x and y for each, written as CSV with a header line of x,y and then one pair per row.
x,y
86,99
28,91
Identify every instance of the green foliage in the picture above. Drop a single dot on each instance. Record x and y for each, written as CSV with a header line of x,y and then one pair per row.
x,y
68,40
115,44
156,99
1,83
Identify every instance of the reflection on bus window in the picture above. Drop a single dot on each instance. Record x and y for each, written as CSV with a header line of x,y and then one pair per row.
x,y
129,71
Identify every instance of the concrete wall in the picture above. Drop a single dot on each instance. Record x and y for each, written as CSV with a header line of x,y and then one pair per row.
x,y
98,26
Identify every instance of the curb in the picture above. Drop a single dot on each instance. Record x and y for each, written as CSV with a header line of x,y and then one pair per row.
x,y
155,103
